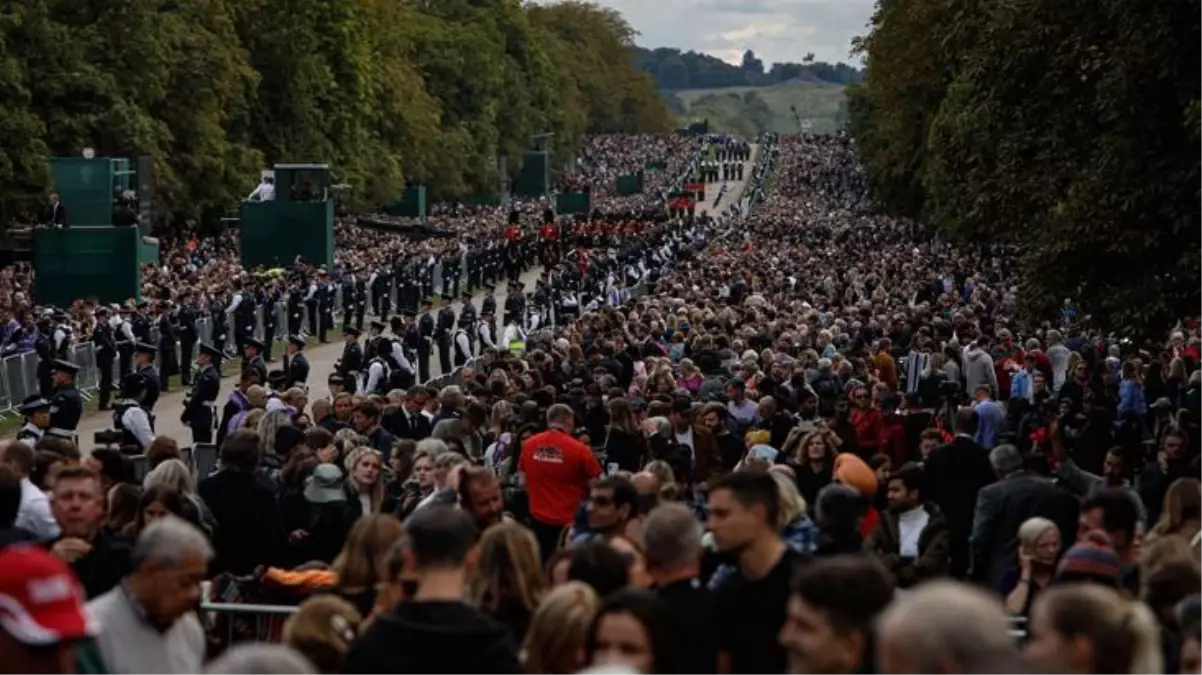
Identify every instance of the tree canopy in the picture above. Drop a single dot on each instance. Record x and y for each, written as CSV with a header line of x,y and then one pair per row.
x,y
385,92
1067,127
675,70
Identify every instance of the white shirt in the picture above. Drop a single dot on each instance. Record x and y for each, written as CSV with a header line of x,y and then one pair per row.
x,y
137,422
485,333
375,372
465,345
910,525
34,513
265,192
686,438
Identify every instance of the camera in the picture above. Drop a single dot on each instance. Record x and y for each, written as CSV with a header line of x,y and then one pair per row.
x,y
107,437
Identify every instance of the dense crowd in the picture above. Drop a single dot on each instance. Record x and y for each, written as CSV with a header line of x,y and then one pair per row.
x,y
823,442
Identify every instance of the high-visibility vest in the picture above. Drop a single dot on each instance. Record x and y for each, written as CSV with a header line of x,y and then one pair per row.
x,y
518,343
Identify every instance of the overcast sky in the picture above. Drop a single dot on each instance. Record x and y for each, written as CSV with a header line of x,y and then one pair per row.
x,y
777,30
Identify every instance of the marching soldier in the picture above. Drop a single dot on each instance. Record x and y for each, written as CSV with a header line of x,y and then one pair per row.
x,y
188,336
106,352
442,334
200,406
252,359
66,407
36,411
351,362
296,364
144,367
425,333
166,346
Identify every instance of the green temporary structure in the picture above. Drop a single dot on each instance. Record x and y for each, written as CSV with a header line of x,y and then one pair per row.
x,y
298,222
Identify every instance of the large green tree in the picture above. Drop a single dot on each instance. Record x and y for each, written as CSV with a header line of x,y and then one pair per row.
x,y
1068,127
385,92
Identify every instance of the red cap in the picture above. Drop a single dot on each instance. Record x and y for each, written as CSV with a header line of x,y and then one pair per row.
x,y
41,603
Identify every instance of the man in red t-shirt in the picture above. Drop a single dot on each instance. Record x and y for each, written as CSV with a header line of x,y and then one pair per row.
x,y
558,470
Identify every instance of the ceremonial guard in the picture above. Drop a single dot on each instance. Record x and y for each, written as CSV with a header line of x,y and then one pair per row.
x,y
166,346
66,407
36,411
125,343
200,405
105,347
188,336
351,362
296,364
144,355
467,319
252,359
442,334
131,416
425,333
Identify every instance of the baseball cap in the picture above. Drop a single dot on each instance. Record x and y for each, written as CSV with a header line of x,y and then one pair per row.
x,y
41,603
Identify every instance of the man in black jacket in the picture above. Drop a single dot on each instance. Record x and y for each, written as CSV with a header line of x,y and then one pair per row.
x,y
955,473
435,631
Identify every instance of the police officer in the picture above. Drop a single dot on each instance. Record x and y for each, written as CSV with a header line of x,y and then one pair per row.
x,y
376,372
268,297
381,292
467,318
242,309
463,346
488,307
425,333
311,301
166,346
442,334
66,406
296,308
296,364
140,322
61,337
106,353
126,340
360,300
36,411
200,406
185,317
144,355
351,362
252,359
484,332
325,305
511,303
220,322
131,416
349,300
375,330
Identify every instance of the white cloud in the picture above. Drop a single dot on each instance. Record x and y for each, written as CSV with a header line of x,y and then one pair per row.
x,y
776,30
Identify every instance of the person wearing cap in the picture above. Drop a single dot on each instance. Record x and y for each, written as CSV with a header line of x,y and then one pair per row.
x,y
185,317
488,306
425,334
200,406
443,334
148,623
484,332
44,619
252,358
130,416
351,361
44,348
141,322
296,364
36,411
144,355
105,348
467,318
66,406
463,347
167,345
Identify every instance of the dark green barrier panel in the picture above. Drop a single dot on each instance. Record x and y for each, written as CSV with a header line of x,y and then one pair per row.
x,y
273,233
82,262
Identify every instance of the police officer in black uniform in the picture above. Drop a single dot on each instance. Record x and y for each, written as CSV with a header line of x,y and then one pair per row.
x,y
442,334
140,323
312,298
144,355
200,406
381,292
351,362
66,406
467,319
325,302
220,323
267,298
296,364
488,307
244,315
36,411
252,359
425,334
348,300
360,300
188,336
166,346
44,347
105,347
131,416
296,308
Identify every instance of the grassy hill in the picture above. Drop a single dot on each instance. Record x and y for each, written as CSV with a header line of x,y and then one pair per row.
x,y
748,111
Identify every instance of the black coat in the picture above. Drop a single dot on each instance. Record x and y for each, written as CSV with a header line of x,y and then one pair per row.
x,y
955,473
434,637
397,423
103,567
1004,506
249,529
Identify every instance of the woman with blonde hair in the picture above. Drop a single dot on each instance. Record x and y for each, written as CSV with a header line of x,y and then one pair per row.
x,y
507,583
555,641
1089,628
669,490
1038,553
1182,512
267,428
174,474
366,479
363,563
323,629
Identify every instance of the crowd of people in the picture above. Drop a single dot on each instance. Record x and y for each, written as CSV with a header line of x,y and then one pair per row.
x,y
822,442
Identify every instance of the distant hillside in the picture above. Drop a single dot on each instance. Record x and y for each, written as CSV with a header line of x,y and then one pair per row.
x,y
748,111
674,70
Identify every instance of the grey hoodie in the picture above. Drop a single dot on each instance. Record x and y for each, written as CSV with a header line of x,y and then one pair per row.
x,y
978,370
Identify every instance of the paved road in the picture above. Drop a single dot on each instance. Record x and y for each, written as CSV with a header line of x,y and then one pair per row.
x,y
322,358
734,188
